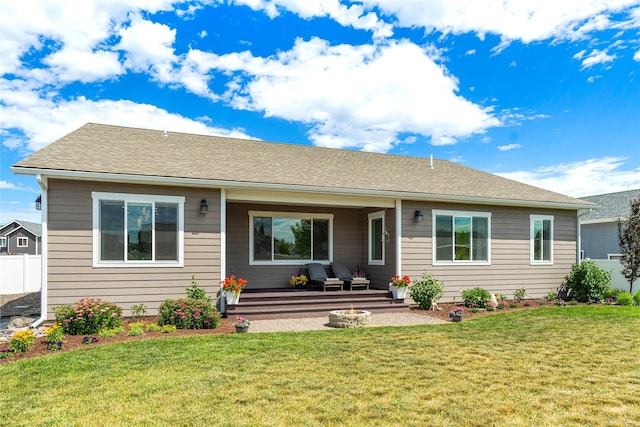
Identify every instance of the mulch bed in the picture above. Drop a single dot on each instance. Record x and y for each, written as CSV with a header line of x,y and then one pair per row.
x,y
226,327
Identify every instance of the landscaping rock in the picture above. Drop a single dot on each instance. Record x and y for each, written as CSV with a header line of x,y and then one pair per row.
x,y
19,322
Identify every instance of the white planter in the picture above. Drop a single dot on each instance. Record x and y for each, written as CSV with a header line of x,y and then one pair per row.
x,y
398,293
232,298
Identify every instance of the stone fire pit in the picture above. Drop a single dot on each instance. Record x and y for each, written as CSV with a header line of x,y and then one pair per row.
x,y
349,318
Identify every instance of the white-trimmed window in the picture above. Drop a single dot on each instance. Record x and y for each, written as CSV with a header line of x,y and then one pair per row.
x,y
376,238
292,238
541,239
23,242
137,230
3,242
461,237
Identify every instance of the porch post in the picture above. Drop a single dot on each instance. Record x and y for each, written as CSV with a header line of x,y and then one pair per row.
x,y
398,239
223,234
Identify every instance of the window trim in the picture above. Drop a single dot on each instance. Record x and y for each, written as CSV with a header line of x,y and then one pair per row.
x,y
371,217
532,219
136,198
464,214
23,239
3,241
289,215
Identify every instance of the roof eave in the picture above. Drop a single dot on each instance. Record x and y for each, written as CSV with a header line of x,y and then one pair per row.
x,y
198,182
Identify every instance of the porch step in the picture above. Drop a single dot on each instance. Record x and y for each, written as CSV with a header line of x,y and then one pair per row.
x,y
297,303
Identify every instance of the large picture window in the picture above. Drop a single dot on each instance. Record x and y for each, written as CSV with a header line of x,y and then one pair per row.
x,y
541,239
137,230
290,237
461,237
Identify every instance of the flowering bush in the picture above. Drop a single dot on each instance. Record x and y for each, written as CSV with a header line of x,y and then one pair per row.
x,y
5,354
54,333
242,322
189,313
136,329
89,340
298,280
55,345
22,341
400,282
88,316
458,311
230,284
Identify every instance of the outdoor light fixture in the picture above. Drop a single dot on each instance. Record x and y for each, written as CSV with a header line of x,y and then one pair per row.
x,y
39,203
204,208
418,216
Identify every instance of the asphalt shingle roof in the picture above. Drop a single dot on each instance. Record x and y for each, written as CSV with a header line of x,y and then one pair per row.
x,y
611,206
98,148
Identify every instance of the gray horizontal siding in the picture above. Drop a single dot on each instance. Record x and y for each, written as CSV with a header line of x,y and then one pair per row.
x,y
510,266
600,240
71,275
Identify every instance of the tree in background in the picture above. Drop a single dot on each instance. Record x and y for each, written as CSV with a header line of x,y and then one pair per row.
x,y
629,243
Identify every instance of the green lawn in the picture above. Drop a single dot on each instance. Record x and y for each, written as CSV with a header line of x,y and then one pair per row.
x,y
549,366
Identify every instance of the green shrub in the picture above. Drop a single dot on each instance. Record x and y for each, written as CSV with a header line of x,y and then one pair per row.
x,y
551,296
88,316
476,296
22,341
514,305
611,294
54,333
636,298
195,291
426,291
136,329
189,313
139,311
108,333
586,282
153,327
519,294
624,298
168,329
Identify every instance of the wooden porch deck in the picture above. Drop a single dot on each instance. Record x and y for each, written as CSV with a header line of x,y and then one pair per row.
x,y
297,303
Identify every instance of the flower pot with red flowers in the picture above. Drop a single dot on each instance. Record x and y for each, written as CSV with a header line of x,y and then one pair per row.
x,y
232,288
398,286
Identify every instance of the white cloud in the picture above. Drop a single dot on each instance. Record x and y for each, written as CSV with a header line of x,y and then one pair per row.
x,y
582,178
636,56
509,147
470,52
44,120
355,96
597,57
6,185
511,20
148,47
353,15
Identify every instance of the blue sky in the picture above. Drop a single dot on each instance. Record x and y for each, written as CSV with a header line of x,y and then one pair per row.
x,y
545,92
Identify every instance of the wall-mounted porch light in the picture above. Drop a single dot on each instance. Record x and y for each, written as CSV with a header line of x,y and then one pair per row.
x,y
204,208
418,216
39,203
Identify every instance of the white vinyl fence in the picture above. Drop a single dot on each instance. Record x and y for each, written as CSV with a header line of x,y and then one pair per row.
x,y
618,281
20,274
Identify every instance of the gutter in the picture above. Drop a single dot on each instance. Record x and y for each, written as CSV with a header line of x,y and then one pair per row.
x,y
198,182
42,182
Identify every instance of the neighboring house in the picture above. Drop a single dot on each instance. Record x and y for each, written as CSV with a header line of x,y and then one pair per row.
x,y
129,215
599,228
20,237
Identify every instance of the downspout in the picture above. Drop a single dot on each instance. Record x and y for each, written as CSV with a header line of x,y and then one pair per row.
x,y
398,239
223,246
42,182
579,227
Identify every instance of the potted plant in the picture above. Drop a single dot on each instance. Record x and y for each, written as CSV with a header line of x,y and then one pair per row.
x,y
232,288
398,286
242,324
298,280
456,314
